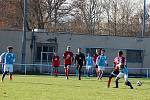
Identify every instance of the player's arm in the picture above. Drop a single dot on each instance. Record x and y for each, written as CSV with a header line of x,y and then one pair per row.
x,y
106,62
72,58
75,60
84,60
2,57
64,56
97,60
58,61
14,58
53,61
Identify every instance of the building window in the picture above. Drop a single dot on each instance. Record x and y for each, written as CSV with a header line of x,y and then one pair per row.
x,y
134,56
45,52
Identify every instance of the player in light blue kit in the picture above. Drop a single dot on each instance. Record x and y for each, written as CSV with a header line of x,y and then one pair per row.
x,y
89,64
101,61
9,59
123,71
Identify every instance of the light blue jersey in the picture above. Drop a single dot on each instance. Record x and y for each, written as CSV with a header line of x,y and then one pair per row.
x,y
89,61
8,58
101,60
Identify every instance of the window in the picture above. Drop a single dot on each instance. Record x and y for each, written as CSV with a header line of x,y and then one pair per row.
x,y
45,51
134,56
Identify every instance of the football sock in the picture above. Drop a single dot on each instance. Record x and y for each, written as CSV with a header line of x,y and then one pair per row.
x,y
116,83
129,84
10,76
109,81
3,76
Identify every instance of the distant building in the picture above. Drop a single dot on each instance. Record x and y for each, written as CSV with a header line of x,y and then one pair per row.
x,y
41,45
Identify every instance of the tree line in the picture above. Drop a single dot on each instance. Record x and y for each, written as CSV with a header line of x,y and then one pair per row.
x,y
97,17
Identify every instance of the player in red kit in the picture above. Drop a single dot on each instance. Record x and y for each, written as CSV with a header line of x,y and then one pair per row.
x,y
94,60
115,71
68,59
55,64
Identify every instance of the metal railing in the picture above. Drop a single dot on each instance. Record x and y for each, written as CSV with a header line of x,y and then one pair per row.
x,y
47,68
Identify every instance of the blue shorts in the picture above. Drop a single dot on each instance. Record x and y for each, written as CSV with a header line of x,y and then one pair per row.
x,y
8,67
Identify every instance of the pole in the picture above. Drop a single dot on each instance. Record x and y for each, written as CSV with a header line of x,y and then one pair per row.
x,y
144,18
23,49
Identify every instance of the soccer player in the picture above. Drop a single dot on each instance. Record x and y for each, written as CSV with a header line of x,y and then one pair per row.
x,y
79,62
101,61
115,71
89,64
123,71
55,64
94,60
9,59
68,59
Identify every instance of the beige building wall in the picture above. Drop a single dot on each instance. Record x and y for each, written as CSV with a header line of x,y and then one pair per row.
x,y
111,43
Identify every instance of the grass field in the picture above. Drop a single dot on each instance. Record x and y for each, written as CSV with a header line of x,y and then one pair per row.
x,y
57,88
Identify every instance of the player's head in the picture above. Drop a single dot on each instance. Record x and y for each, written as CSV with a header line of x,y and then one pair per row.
x,y
102,51
9,48
98,51
68,48
79,50
120,53
88,54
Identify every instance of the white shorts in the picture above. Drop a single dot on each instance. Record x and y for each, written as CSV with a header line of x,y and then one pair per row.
x,y
123,75
8,67
88,67
101,68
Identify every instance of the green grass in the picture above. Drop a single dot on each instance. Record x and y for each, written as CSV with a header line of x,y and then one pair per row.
x,y
57,88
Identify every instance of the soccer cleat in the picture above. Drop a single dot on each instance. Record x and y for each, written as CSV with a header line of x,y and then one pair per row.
x,y
11,77
2,80
108,85
100,78
67,78
115,87
131,87
79,78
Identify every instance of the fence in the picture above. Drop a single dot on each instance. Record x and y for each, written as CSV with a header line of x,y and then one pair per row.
x,y
48,69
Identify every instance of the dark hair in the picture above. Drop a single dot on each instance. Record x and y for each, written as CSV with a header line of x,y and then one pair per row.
x,y
120,52
103,50
68,46
9,47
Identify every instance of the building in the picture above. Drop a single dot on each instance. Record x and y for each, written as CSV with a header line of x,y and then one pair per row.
x,y
41,45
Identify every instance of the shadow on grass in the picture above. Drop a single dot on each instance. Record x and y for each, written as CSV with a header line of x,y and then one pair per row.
x,y
34,83
48,84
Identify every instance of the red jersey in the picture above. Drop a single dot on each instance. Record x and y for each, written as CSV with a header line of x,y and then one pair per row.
x,y
118,60
55,61
94,58
68,57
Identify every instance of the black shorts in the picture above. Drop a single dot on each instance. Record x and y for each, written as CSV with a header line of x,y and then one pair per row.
x,y
96,66
67,65
114,73
79,65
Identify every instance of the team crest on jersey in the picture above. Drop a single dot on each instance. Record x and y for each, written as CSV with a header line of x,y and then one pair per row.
x,y
68,56
55,59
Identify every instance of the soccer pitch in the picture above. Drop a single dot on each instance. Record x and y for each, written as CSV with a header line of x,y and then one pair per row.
x,y
32,87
